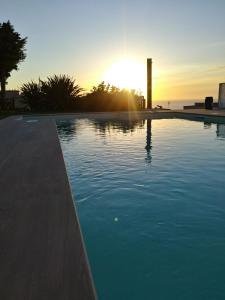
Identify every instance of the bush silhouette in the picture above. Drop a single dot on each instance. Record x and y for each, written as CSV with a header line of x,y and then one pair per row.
x,y
106,97
33,97
57,93
60,93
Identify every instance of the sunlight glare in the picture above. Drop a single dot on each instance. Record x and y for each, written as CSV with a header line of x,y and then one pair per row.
x,y
128,74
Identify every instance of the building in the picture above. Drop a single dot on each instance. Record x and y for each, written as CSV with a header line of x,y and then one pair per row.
x,y
14,100
221,99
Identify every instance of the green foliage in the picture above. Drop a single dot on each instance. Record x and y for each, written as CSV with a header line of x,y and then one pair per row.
x,y
33,96
60,92
57,93
106,97
12,52
101,88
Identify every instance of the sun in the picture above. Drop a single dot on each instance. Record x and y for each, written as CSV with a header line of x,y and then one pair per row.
x,y
128,74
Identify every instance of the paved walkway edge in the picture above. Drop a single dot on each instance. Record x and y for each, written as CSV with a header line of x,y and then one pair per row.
x,y
42,253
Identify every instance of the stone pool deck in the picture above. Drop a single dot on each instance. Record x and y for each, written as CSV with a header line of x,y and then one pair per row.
x,y
202,112
42,255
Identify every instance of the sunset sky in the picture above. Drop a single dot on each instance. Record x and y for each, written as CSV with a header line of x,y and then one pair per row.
x,y
93,40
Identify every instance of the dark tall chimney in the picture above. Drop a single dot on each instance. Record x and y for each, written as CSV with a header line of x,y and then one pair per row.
x,y
149,83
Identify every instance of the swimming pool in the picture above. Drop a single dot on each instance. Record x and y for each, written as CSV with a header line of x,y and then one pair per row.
x,y
150,197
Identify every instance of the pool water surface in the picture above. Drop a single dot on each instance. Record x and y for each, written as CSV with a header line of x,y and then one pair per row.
x,y
150,196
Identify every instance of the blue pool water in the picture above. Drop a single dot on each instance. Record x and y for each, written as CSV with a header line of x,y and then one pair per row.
x,y
151,202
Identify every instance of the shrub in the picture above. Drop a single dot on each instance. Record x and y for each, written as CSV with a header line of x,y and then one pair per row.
x,y
57,93
32,96
60,92
105,97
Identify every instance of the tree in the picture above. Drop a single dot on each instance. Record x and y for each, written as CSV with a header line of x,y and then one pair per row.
x,y
12,52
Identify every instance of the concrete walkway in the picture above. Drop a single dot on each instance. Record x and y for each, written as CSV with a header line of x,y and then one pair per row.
x,y
202,112
41,250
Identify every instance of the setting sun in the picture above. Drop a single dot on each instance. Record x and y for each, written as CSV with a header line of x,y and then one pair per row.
x,y
128,74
